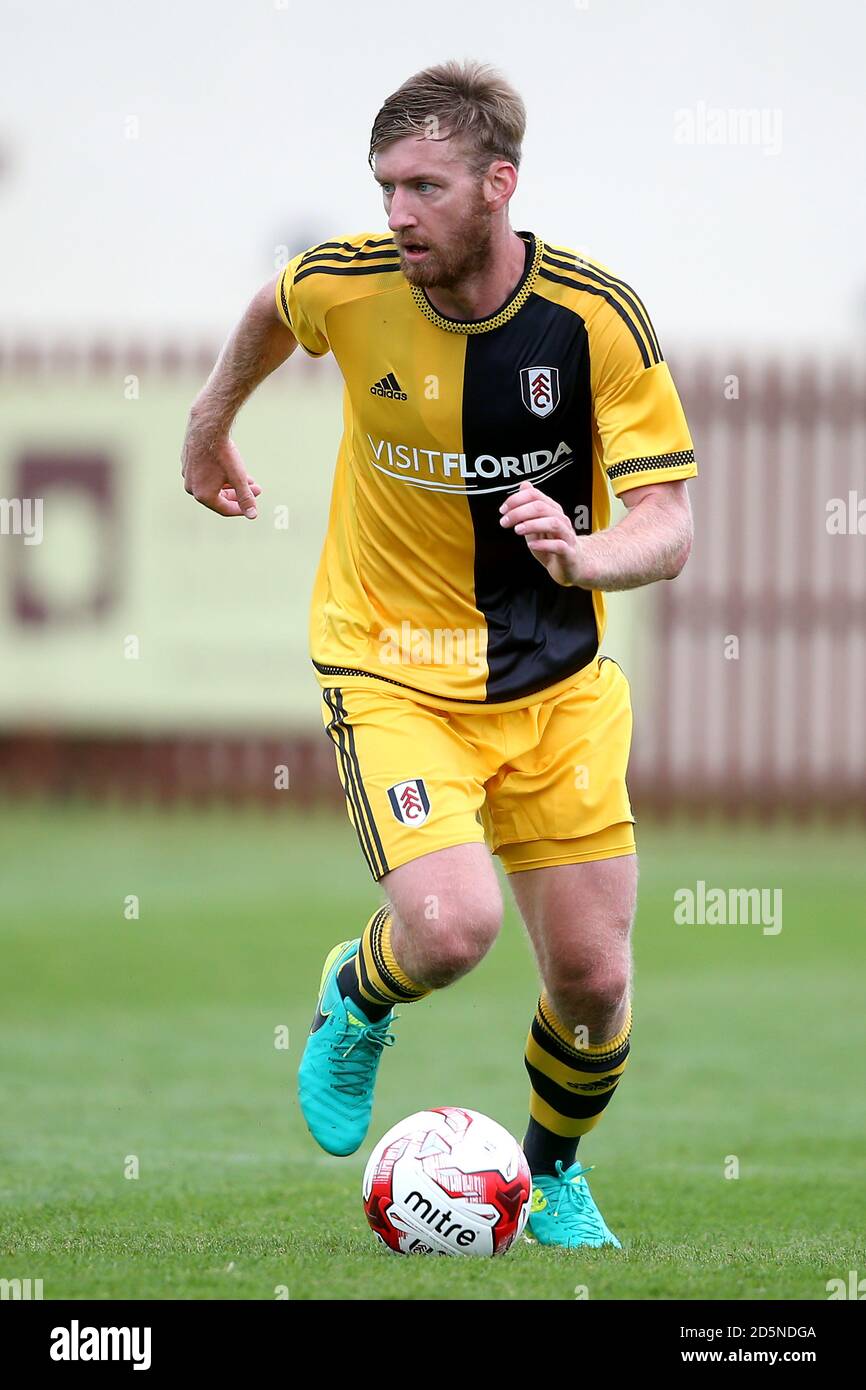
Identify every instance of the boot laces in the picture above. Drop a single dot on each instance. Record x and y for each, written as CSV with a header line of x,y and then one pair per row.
x,y
355,1063
579,1207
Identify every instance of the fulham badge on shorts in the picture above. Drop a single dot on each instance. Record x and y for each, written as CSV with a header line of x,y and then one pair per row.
x,y
539,389
409,801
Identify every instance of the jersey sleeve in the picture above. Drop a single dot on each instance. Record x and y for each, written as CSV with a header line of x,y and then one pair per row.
x,y
302,305
640,420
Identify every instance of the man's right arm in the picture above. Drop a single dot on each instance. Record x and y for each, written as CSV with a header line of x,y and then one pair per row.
x,y
212,469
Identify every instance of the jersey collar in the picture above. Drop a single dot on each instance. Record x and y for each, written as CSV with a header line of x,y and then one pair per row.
x,y
522,291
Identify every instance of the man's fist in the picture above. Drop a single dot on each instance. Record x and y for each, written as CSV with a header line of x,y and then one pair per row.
x,y
214,474
547,531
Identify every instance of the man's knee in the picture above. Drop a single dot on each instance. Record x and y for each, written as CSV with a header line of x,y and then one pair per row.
x,y
600,989
594,981
447,913
449,937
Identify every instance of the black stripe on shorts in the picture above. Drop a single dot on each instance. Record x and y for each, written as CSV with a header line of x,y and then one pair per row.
x,y
342,735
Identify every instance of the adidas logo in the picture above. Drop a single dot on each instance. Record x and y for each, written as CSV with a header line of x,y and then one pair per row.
x,y
389,387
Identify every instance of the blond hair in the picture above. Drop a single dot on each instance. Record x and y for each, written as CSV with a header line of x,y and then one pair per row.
x,y
470,100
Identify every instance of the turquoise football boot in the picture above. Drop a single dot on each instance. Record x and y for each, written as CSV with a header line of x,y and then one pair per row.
x,y
340,1061
563,1211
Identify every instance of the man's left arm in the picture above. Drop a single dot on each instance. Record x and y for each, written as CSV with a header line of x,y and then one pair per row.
x,y
646,454
652,541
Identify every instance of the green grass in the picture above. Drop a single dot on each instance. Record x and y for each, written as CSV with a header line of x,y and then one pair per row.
x,y
155,1038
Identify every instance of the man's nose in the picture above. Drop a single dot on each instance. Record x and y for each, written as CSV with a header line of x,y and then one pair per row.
x,y
400,214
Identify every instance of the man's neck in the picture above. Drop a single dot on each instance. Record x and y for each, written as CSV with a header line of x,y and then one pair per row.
x,y
481,295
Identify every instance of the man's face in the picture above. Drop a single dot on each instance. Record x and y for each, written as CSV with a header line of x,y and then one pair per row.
x,y
436,210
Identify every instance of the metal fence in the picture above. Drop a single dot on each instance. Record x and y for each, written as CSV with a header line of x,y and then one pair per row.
x,y
758,693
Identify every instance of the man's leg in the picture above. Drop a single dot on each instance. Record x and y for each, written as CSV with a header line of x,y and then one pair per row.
x,y
579,918
414,786
444,912
559,817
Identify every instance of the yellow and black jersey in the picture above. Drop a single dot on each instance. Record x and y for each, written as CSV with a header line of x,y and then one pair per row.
x,y
565,385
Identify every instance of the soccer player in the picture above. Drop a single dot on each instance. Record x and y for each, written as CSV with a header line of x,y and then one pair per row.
x,y
496,386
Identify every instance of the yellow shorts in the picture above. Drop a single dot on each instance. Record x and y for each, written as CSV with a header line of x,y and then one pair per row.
x,y
542,785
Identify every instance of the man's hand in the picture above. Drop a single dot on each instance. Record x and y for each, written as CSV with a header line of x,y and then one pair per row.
x,y
651,542
548,531
212,469
214,473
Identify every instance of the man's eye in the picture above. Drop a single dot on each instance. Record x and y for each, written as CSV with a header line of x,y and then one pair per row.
x,y
422,184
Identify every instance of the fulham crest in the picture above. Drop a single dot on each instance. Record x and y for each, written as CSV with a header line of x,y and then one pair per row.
x,y
539,389
409,801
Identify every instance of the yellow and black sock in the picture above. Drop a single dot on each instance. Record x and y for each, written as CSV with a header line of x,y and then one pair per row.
x,y
372,977
570,1086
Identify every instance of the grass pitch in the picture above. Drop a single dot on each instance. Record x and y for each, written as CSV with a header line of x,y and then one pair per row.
x,y
148,1044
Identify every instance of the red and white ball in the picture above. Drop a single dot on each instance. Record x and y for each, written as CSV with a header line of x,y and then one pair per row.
x,y
447,1182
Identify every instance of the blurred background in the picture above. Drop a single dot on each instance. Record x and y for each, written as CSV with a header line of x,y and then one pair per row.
x,y
157,183
158,163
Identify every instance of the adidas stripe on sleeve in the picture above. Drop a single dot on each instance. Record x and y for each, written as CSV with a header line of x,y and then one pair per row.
x,y
638,413
301,308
